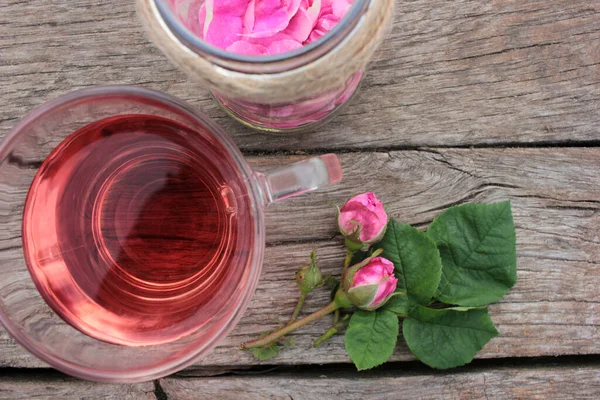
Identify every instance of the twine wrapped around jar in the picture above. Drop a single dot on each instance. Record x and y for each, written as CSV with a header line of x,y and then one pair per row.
x,y
279,82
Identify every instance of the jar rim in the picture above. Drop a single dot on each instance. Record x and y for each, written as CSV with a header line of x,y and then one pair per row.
x,y
271,63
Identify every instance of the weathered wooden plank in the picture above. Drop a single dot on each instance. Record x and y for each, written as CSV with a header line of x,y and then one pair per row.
x,y
554,308
48,385
560,182
494,383
451,73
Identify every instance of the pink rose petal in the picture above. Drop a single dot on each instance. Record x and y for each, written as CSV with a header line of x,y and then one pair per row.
x,y
300,26
267,20
315,35
223,30
315,10
267,26
202,20
326,9
266,41
328,22
385,289
340,7
248,49
233,7
371,274
249,17
293,7
283,46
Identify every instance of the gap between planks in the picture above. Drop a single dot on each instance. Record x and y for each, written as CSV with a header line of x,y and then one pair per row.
x,y
562,377
567,144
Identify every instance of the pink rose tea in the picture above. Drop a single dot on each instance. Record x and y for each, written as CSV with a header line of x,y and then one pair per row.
x,y
132,226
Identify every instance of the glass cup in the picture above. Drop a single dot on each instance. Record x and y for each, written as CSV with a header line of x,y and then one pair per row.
x,y
290,92
39,328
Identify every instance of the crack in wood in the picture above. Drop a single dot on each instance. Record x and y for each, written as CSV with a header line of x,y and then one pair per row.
x,y
159,392
21,163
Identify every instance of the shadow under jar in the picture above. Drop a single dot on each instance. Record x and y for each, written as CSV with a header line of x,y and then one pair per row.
x,y
290,92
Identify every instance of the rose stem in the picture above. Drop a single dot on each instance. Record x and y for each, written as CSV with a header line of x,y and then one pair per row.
x,y
328,309
348,259
336,317
330,332
326,336
298,308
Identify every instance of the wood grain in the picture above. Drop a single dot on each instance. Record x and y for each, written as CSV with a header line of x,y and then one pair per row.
x,y
497,383
454,73
48,385
555,192
547,188
461,73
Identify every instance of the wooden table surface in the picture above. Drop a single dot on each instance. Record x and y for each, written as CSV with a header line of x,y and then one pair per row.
x,y
467,101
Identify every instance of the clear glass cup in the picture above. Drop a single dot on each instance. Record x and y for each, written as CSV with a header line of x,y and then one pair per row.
x,y
290,92
37,327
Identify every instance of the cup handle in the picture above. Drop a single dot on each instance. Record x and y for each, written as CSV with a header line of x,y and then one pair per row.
x,y
300,177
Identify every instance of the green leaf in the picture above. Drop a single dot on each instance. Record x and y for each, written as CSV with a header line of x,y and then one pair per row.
x,y
371,337
286,342
272,349
477,243
447,338
416,260
265,353
398,305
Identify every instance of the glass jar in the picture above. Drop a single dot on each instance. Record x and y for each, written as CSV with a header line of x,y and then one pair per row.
x,y
289,92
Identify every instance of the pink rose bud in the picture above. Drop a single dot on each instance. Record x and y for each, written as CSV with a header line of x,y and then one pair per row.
x,y
362,220
372,284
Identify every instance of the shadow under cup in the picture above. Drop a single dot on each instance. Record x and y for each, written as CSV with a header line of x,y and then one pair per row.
x,y
102,354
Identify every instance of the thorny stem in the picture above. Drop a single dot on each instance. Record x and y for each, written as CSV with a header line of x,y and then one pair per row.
x,y
298,308
261,342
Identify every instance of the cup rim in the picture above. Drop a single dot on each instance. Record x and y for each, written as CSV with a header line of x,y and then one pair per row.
x,y
257,205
